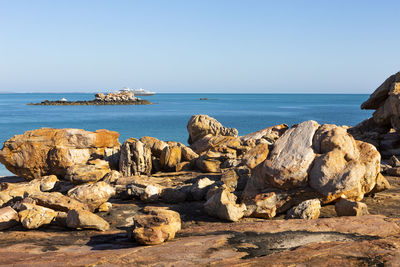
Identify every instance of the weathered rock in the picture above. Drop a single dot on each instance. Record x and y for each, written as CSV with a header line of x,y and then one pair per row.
x,y
256,155
223,205
230,179
378,97
13,192
94,171
291,157
92,194
270,133
382,184
200,188
175,195
188,154
8,218
34,216
155,227
346,207
156,146
170,158
135,158
112,177
208,165
216,142
57,201
347,169
202,125
184,166
105,207
47,183
274,201
49,151
83,219
309,209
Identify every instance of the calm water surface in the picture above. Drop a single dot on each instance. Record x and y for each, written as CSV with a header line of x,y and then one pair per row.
x,y
167,118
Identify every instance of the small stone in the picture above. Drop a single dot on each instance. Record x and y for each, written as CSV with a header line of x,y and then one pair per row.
x,y
155,227
346,207
84,173
222,204
105,207
47,183
309,209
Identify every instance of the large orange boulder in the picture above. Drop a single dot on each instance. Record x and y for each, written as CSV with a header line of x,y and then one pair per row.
x,y
49,151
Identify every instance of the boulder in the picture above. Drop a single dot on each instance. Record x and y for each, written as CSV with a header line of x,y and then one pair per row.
x,y
345,207
309,209
202,125
57,201
347,168
170,157
8,218
93,195
83,219
156,226
290,160
222,204
156,146
94,171
256,155
34,216
48,151
135,158
271,134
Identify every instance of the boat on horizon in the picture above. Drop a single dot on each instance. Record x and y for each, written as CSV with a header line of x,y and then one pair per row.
x,y
137,92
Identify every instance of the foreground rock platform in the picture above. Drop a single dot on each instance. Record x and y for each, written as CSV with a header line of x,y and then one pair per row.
x,y
371,240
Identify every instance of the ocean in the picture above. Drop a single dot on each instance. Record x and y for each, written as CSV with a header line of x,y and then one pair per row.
x,y
166,119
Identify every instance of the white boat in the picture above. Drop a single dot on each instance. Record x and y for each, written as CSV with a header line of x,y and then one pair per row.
x,y
138,92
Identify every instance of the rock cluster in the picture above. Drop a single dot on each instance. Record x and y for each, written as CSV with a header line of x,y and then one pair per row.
x,y
382,130
73,173
121,96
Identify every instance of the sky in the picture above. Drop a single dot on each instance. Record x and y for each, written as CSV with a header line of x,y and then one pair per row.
x,y
190,46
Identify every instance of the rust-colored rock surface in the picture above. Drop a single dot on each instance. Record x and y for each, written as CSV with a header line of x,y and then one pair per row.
x,y
49,151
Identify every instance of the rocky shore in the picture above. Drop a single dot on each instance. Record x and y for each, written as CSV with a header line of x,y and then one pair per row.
x,y
310,194
119,98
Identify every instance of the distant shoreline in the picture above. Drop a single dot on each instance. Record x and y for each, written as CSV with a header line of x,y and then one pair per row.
x,y
90,102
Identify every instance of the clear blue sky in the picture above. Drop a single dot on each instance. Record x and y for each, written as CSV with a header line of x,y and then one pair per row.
x,y
198,46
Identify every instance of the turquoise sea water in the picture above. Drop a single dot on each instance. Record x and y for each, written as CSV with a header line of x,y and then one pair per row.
x,y
167,118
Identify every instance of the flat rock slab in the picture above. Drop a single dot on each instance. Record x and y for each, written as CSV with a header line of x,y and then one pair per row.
x,y
355,240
